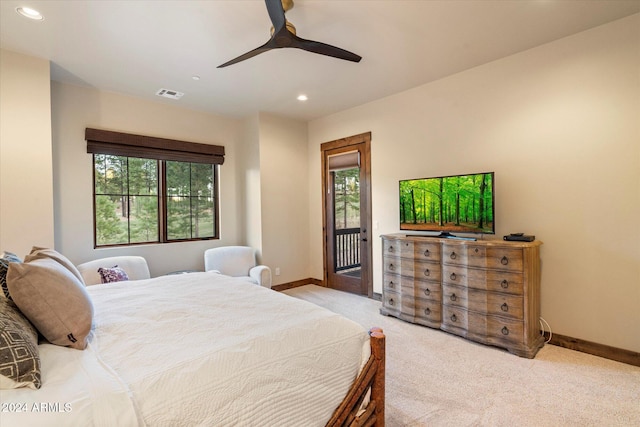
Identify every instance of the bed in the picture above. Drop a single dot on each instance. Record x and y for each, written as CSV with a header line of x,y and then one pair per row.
x,y
206,349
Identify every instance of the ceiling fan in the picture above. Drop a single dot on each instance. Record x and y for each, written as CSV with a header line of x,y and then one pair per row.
x,y
283,34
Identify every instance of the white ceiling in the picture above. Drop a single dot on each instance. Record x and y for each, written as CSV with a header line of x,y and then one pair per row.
x,y
137,47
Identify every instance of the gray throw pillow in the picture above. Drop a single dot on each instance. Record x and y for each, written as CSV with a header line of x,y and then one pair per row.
x,y
44,253
5,259
19,355
53,299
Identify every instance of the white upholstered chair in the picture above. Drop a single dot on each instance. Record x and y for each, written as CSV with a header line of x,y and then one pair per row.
x,y
135,266
237,261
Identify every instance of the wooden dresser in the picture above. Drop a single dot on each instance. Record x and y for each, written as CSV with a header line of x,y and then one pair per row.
x,y
487,290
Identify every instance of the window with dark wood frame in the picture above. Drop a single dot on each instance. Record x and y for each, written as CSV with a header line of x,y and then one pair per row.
x,y
153,190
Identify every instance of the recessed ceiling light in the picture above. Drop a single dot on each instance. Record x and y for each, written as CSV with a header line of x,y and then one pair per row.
x,y
196,78
302,97
27,12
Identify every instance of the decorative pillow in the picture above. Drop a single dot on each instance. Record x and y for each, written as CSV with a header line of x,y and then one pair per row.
x,y
5,259
45,253
53,299
19,356
113,274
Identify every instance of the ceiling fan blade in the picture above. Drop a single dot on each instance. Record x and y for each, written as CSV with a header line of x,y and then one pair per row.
x,y
276,14
324,49
283,37
257,51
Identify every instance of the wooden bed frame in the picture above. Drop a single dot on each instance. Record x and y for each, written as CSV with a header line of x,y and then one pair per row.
x,y
371,378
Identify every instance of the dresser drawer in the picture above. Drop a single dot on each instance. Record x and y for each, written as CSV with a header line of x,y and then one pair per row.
x,y
501,257
407,287
454,319
391,247
419,250
427,251
490,280
391,302
409,268
454,254
495,330
501,330
428,310
427,290
427,270
501,281
391,282
505,305
455,275
454,295
399,266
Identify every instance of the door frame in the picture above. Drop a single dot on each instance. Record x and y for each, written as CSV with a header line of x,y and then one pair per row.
x,y
365,201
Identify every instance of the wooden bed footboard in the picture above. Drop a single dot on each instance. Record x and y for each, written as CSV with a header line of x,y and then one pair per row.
x,y
371,379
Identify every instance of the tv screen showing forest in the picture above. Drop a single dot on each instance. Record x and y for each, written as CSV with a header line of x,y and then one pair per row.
x,y
462,203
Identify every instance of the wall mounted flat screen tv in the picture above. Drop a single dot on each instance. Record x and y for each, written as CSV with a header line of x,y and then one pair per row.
x,y
448,204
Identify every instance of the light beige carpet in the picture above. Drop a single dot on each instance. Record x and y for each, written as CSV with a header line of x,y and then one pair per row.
x,y
437,379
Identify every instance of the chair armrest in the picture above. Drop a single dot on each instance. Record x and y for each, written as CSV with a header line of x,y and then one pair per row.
x,y
262,275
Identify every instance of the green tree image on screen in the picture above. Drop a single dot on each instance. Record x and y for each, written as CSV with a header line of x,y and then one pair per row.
x,y
462,203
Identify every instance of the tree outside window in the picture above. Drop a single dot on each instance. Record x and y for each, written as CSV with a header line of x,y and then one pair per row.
x,y
131,204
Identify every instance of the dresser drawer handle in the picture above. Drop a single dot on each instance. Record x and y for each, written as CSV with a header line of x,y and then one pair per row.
x,y
453,276
406,244
427,253
504,284
427,292
391,267
453,297
505,330
504,260
427,272
453,255
504,307
476,250
391,249
427,311
391,302
454,318
391,284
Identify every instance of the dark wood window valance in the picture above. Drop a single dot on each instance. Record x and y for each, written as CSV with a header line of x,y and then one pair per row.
x,y
125,144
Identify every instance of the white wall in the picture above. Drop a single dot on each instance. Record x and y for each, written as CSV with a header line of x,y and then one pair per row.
x,y
283,191
249,180
263,181
26,178
560,126
76,108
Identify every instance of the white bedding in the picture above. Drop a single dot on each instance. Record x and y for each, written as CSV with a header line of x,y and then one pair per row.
x,y
196,349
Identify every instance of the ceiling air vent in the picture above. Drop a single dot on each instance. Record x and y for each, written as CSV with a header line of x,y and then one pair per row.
x,y
171,94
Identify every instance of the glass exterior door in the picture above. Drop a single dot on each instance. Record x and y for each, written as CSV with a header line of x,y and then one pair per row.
x,y
346,216
347,249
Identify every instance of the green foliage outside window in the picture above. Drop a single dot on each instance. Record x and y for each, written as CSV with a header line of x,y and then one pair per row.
x,y
347,198
128,200
190,208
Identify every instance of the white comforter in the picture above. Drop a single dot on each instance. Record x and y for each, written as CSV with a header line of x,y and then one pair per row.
x,y
196,349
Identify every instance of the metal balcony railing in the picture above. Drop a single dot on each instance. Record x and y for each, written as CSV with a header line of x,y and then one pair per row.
x,y
347,244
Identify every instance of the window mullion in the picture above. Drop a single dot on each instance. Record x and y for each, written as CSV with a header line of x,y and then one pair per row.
x,y
190,200
162,200
128,205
